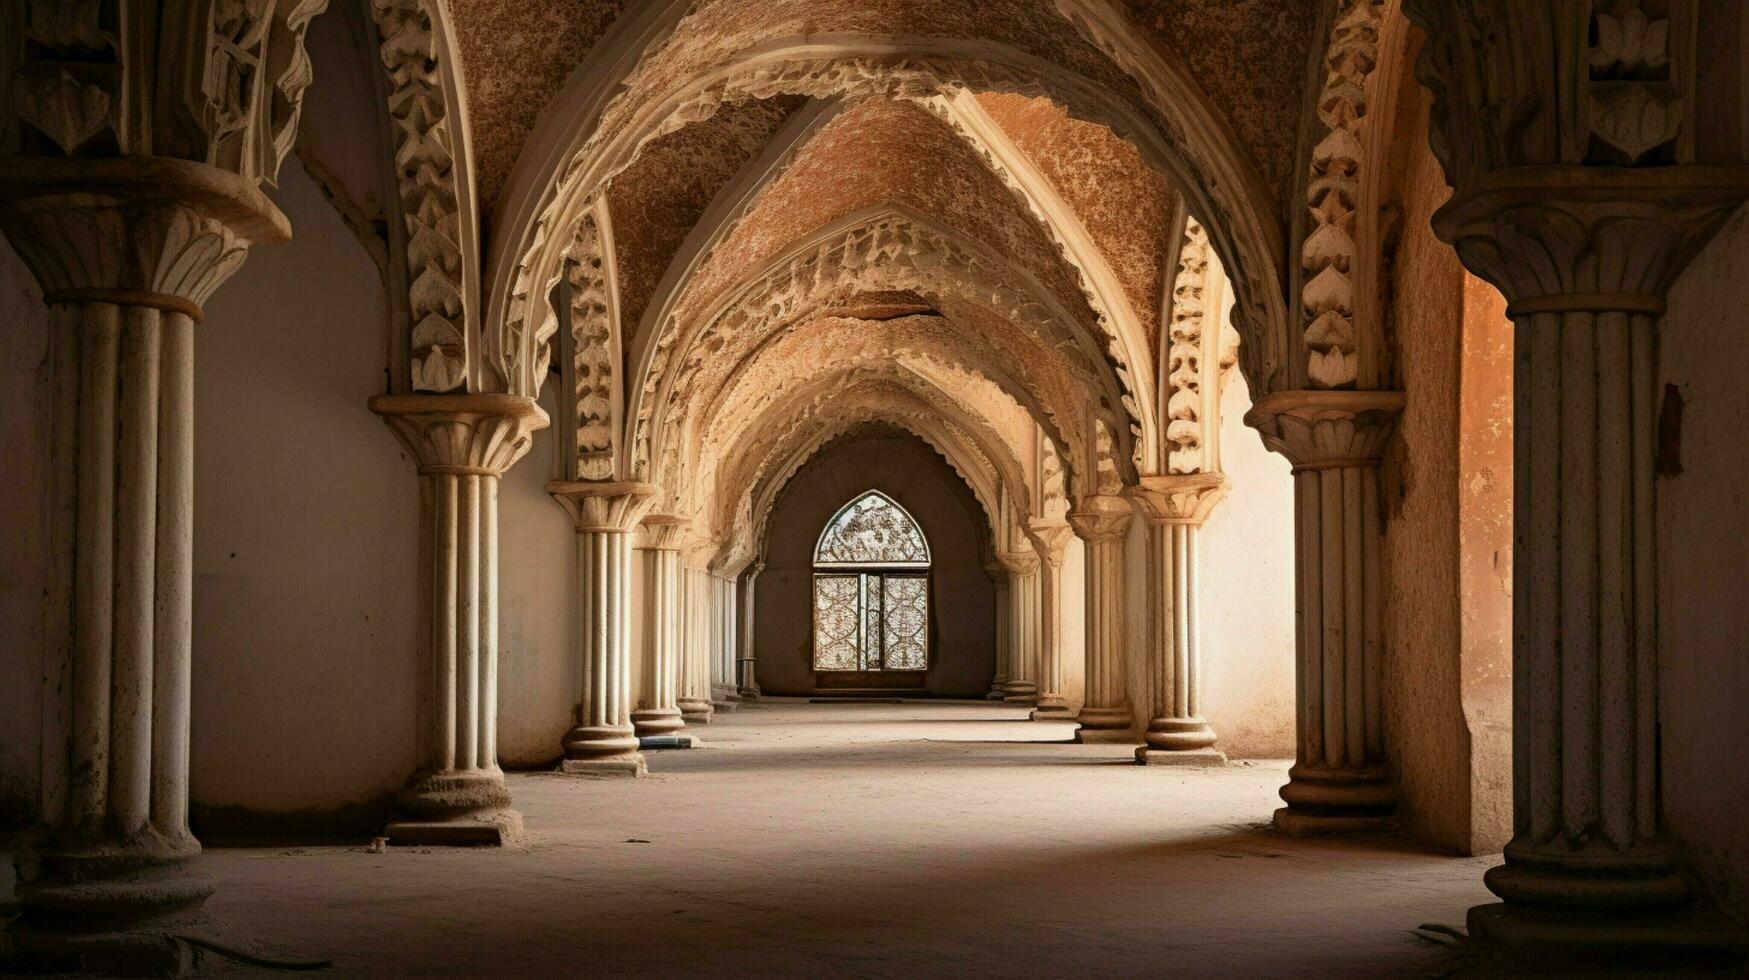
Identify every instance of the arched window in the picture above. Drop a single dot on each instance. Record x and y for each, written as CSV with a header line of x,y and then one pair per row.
x,y
871,589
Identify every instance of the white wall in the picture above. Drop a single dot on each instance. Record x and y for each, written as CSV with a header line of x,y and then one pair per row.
x,y
539,647
306,515
1703,564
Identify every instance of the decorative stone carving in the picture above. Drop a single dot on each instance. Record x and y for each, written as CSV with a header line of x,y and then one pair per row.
x,y
221,83
1624,100
889,253
1327,258
1175,508
1102,522
462,444
126,250
430,199
1341,782
595,352
604,743
1184,398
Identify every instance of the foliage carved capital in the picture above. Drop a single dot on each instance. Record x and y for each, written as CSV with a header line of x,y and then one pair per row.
x,y
1101,517
468,435
1318,429
1186,499
604,507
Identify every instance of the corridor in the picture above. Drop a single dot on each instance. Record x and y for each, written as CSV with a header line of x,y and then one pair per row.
x,y
924,839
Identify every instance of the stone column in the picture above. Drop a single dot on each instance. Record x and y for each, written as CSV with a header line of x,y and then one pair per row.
x,y
1102,522
747,681
658,710
723,636
462,444
1175,508
1048,541
1340,782
126,251
1004,630
1022,597
1585,261
604,743
695,664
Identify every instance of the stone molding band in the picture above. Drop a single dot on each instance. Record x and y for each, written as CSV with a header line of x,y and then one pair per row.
x,y
128,297
1588,303
1341,463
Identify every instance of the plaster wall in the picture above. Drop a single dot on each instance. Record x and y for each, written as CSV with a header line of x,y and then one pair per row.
x,y
1248,593
962,599
540,665
1446,487
1703,563
306,523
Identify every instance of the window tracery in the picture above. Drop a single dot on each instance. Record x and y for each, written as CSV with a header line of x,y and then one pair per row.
x,y
871,589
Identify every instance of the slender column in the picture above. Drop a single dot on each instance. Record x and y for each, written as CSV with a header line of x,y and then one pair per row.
x,y
1175,508
1102,522
1004,630
1585,261
1022,568
604,743
1340,782
658,710
695,684
1049,542
462,444
747,681
126,251
723,637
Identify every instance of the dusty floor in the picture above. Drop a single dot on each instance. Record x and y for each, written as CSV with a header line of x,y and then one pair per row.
x,y
916,840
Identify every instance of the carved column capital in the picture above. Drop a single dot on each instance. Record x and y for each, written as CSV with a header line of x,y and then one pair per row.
x,y
1184,499
1559,239
998,574
479,435
1326,429
1101,517
609,507
662,532
134,231
1049,539
1018,563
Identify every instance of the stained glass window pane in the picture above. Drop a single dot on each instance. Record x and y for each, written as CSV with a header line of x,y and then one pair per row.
x,y
837,622
904,623
872,530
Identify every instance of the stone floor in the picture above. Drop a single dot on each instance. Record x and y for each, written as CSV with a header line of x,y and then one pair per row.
x,y
914,840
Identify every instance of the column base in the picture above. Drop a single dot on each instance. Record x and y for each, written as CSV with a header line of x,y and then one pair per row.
x,y
616,767
696,711
1591,879
998,689
110,908
1329,802
1149,755
127,953
1020,692
1179,735
1105,736
1052,707
657,721
1106,719
479,830
748,693
1684,939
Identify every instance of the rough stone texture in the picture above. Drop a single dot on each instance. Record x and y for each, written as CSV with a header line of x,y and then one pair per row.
x,y
962,600
1125,206
958,815
883,152
515,57
656,201
1448,532
1251,57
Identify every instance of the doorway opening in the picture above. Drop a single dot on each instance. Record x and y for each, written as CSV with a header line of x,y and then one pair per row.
x,y
871,598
